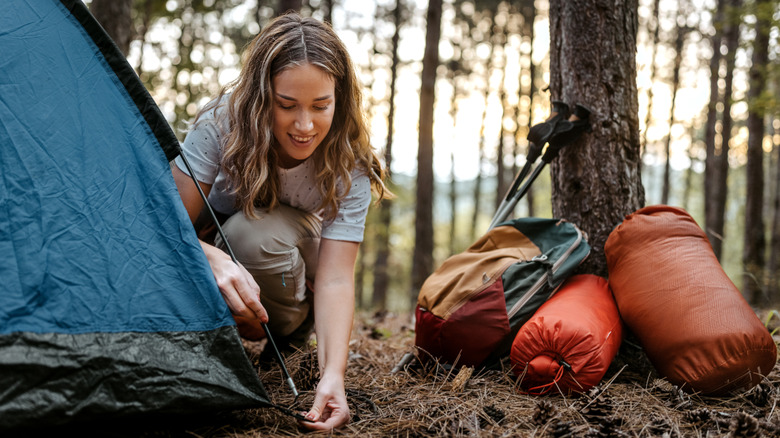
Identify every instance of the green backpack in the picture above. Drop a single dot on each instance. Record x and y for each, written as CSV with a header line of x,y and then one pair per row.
x,y
470,309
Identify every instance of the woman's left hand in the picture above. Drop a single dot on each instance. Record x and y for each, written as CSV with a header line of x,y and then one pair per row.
x,y
330,409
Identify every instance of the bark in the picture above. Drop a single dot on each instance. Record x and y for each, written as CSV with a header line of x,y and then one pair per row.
x,y
596,181
755,243
114,16
381,277
711,166
422,260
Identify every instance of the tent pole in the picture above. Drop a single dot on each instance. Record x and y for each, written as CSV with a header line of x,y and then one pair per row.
x,y
288,378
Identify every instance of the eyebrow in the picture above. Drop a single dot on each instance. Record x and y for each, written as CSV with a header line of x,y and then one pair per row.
x,y
318,99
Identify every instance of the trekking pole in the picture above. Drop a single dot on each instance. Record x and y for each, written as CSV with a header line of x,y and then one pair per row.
x,y
565,133
270,338
538,136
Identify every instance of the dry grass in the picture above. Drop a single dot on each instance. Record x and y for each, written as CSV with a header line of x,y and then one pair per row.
x,y
631,401
435,402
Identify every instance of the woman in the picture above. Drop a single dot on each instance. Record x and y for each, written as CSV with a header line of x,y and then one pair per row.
x,y
283,155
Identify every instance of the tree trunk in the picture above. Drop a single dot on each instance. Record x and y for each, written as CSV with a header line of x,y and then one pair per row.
x,y
649,115
284,6
596,181
422,260
773,267
529,16
453,195
481,159
686,197
501,180
711,165
114,16
501,183
329,4
381,277
720,190
755,244
453,205
679,42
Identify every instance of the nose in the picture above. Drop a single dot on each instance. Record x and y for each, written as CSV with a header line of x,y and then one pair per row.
x,y
303,121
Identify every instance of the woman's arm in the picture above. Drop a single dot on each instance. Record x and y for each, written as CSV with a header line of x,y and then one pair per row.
x,y
238,288
334,300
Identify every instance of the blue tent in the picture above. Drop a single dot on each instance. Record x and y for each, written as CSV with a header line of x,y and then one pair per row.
x,y
107,303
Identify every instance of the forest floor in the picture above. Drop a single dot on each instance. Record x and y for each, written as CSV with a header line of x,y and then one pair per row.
x,y
631,401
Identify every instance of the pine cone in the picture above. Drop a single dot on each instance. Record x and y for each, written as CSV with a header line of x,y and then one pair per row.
x,y
759,395
744,425
543,412
698,417
597,409
562,429
606,428
659,426
493,413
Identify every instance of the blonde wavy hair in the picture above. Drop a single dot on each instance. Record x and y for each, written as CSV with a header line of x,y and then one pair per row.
x,y
250,155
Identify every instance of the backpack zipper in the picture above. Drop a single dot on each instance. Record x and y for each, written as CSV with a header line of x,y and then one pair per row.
x,y
538,285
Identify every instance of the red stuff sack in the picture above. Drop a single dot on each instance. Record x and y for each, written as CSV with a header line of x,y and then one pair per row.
x,y
569,343
695,326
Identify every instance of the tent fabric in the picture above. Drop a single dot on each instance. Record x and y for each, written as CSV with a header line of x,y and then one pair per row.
x,y
108,305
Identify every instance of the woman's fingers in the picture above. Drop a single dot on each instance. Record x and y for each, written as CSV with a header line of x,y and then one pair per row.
x,y
238,287
249,291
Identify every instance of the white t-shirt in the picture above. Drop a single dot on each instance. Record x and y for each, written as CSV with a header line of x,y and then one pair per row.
x,y
298,185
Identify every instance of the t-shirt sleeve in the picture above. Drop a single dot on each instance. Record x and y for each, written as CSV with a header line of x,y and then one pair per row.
x,y
201,146
350,221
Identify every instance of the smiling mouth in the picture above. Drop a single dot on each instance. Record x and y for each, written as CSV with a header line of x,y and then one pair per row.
x,y
301,139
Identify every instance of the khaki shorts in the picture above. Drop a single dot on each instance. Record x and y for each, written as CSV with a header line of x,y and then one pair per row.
x,y
280,250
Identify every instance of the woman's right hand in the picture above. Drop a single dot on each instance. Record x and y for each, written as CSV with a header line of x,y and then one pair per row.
x,y
238,287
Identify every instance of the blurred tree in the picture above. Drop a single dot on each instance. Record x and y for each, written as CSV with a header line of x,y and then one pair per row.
x,y
596,180
681,30
711,162
422,259
528,13
381,275
719,191
487,21
284,6
114,16
755,242
654,24
773,265
501,40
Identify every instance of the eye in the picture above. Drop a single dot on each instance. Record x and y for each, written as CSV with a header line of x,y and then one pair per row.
x,y
285,107
321,108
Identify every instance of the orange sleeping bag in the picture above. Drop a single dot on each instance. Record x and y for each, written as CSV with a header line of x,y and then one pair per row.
x,y
569,342
695,326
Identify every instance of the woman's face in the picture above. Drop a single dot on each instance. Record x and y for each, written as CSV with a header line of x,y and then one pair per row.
x,y
304,104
